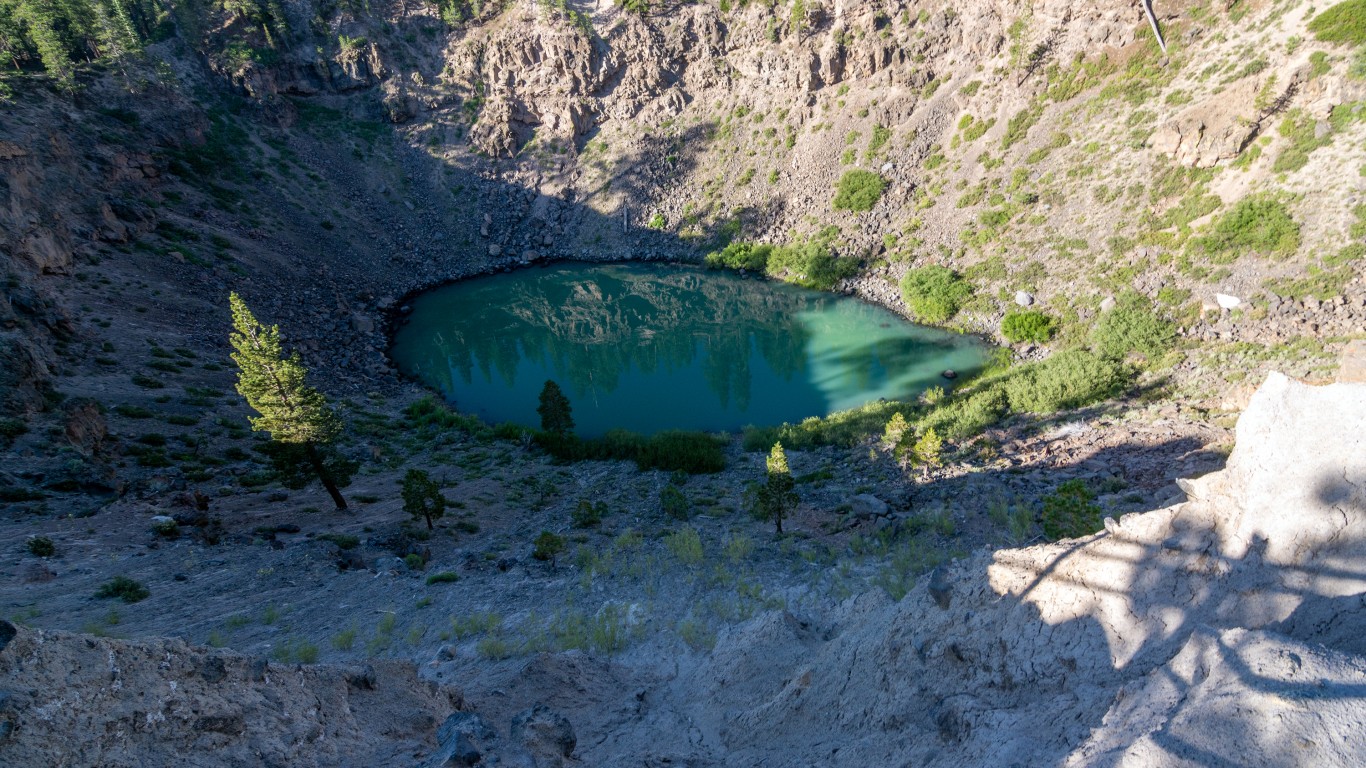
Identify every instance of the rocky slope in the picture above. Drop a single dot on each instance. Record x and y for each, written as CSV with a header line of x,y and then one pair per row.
x,y
1217,630
328,172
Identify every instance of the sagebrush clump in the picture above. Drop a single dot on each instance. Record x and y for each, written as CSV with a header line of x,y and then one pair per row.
x,y
934,293
858,190
1032,326
1070,511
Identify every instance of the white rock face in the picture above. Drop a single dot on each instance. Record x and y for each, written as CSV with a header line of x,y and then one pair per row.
x,y
1226,301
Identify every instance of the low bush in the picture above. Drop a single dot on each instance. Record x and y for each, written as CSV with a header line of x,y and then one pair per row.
x,y
1257,224
1343,23
842,428
934,293
444,577
547,546
342,540
169,529
965,416
1031,325
1070,511
739,255
11,428
692,452
858,190
1132,326
1069,379
124,588
588,514
673,502
41,546
811,265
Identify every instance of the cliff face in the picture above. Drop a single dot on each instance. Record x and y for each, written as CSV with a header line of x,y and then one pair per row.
x,y
1038,147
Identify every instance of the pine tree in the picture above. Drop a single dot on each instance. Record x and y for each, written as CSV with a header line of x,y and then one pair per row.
x,y
294,413
777,495
556,416
422,497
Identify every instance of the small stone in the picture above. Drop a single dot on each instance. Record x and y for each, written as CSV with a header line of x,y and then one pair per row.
x,y
1107,304
950,374
940,588
1226,301
1024,298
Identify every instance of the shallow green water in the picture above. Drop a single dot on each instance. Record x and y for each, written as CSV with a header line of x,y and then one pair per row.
x,y
650,347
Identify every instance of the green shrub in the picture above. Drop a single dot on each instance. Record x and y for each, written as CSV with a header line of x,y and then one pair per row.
x,y
414,561
673,502
842,428
1032,326
166,528
810,264
1069,379
11,428
547,546
859,190
964,417
342,540
741,255
1342,23
588,514
124,588
934,293
1257,224
693,452
927,449
686,545
1132,326
444,577
1070,511
41,546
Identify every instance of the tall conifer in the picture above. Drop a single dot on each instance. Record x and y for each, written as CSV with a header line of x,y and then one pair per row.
x,y
272,383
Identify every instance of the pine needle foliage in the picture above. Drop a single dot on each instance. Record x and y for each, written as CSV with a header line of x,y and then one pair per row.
x,y
778,495
273,384
422,497
556,415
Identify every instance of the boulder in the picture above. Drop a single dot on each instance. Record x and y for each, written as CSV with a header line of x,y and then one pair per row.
x,y
462,741
546,734
866,506
1024,298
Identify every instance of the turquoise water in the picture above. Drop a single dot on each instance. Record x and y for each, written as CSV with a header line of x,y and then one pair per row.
x,y
650,347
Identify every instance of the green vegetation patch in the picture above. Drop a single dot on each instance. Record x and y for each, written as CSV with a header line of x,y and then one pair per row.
x,y
1132,327
1343,23
673,450
935,293
810,263
1069,379
1257,224
1302,130
1031,325
124,588
1070,511
858,190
